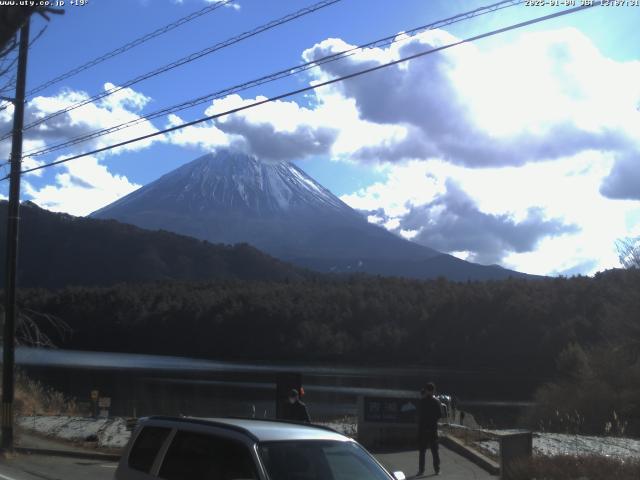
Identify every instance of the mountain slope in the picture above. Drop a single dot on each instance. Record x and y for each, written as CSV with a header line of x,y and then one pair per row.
x,y
231,197
58,250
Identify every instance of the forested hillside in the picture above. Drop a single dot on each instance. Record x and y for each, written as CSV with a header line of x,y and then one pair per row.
x,y
512,324
58,250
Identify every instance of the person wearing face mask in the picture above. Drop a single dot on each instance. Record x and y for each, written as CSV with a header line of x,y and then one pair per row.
x,y
295,410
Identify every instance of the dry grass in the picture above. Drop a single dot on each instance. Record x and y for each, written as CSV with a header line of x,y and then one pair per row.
x,y
34,398
569,467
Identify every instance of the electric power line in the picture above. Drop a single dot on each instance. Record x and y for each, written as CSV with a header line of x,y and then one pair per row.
x,y
315,86
275,76
8,68
9,47
130,45
183,61
13,64
119,50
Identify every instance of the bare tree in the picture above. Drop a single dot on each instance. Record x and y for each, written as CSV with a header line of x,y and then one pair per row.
x,y
30,330
34,329
629,252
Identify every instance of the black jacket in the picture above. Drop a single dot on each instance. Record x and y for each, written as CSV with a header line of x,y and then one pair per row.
x,y
429,413
296,411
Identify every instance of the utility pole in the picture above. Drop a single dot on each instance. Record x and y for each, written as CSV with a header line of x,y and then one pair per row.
x,y
13,221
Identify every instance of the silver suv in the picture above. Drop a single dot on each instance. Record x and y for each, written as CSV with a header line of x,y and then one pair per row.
x,y
244,449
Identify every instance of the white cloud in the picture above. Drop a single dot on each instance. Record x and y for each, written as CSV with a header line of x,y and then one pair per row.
x,y
454,223
30,162
422,201
274,131
205,135
498,215
535,111
405,185
123,106
535,100
84,186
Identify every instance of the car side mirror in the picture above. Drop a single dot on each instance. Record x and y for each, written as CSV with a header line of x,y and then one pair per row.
x,y
399,476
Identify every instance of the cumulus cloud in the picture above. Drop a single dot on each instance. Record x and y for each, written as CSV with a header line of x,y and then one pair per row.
x,y
29,162
6,121
83,187
275,131
466,107
123,106
453,223
441,215
205,135
548,217
460,105
623,182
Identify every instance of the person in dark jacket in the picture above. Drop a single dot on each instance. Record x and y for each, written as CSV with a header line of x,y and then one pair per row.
x,y
294,409
429,412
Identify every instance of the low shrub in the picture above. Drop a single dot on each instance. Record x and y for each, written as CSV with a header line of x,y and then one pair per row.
x,y
34,398
596,393
569,467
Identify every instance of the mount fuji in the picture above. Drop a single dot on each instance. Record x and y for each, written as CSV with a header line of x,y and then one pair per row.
x,y
230,197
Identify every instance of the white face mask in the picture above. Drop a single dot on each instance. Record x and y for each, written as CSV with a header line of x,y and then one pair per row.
x,y
292,400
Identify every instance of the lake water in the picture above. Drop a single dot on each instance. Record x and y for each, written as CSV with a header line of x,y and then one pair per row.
x,y
152,384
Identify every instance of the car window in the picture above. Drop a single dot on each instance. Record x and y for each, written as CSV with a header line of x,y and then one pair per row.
x,y
319,460
345,465
146,447
196,456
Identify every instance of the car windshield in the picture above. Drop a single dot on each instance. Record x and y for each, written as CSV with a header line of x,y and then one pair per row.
x,y
319,460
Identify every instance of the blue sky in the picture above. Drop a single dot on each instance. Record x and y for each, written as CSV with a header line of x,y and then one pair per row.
x,y
526,158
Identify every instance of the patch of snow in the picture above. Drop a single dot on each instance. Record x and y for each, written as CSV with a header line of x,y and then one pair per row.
x,y
350,429
565,444
278,188
305,180
110,432
311,189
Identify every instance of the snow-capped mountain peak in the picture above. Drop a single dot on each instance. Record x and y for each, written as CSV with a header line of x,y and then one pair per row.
x,y
234,181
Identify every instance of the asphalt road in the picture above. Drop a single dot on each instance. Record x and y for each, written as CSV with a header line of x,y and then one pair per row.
x,y
452,465
39,467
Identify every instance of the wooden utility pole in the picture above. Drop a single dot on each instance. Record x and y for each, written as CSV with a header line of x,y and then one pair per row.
x,y
13,221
